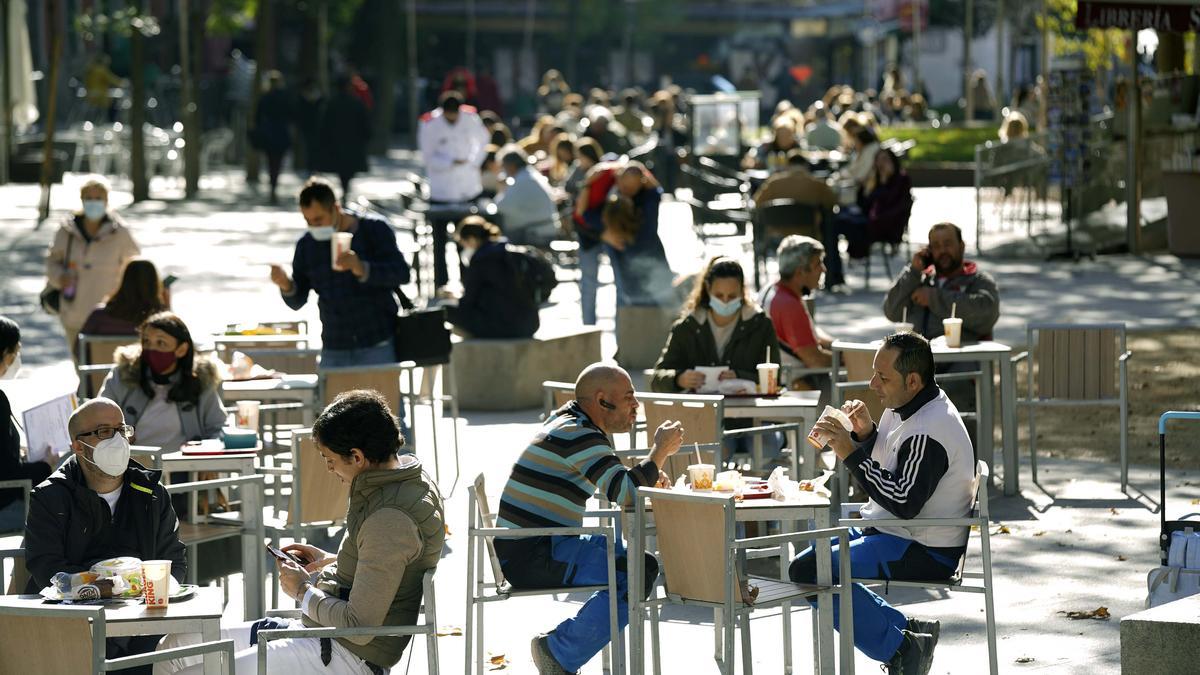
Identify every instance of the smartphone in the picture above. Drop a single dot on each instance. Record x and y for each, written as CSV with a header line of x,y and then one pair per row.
x,y
168,280
926,257
283,555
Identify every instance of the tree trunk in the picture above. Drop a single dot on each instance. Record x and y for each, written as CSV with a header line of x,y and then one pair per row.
x,y
5,99
52,18
137,111
262,18
387,67
191,109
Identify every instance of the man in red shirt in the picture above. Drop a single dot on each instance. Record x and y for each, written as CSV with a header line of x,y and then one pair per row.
x,y
804,345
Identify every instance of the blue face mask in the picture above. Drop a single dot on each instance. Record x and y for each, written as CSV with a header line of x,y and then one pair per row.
x,y
725,308
93,209
324,233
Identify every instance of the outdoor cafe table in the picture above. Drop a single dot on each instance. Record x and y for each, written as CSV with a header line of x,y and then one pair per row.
x,y
808,507
990,355
282,388
200,613
789,406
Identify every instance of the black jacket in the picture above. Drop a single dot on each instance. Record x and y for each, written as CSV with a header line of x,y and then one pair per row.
x,y
70,527
498,301
12,467
691,344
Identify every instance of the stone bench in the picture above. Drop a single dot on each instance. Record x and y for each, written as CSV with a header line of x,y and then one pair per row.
x,y
641,335
1164,640
508,374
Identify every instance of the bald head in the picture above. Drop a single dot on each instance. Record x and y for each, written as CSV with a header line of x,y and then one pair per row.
x,y
599,377
94,413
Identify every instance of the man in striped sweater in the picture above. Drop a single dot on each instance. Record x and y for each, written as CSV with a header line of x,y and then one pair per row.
x,y
570,460
916,463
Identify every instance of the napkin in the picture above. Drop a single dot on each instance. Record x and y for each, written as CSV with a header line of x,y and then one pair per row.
x,y
737,386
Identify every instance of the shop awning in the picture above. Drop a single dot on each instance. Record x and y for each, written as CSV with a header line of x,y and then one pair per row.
x,y
1172,17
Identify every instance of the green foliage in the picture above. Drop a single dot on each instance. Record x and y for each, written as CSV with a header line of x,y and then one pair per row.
x,y
91,25
226,17
1098,46
947,144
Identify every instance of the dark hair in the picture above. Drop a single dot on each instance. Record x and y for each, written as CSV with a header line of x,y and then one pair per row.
x,y
913,355
590,148
621,215
489,155
10,335
795,157
317,190
359,419
489,118
476,227
501,136
188,388
718,268
140,292
515,157
951,226
450,101
887,152
866,135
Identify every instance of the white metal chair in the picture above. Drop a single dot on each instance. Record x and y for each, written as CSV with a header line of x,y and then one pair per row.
x,y
963,580
700,560
1075,367
78,642
428,628
481,532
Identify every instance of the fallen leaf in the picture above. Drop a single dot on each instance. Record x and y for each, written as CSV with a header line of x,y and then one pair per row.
x,y
1024,659
1039,533
1196,501
1067,532
1100,614
497,662
1114,511
446,631
1122,558
1003,529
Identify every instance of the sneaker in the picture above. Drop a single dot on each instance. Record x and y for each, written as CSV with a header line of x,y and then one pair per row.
x,y
915,655
931,626
543,660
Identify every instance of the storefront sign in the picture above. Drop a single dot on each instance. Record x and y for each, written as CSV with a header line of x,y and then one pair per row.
x,y
1161,16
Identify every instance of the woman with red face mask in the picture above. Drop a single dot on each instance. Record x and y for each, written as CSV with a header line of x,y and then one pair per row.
x,y
169,395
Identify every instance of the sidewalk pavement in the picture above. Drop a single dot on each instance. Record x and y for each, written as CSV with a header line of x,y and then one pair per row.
x,y
1077,545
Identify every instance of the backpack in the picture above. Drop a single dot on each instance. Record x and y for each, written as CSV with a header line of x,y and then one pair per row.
x,y
533,271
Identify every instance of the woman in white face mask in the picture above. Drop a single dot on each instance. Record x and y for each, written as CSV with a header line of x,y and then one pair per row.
x,y
85,259
12,465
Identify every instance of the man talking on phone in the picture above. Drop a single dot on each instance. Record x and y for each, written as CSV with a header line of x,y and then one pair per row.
x,y
938,282
915,463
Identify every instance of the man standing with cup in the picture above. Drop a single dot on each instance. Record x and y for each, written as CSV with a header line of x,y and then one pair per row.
x,y
942,286
355,288
915,463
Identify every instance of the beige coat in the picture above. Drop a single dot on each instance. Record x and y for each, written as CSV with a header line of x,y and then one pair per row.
x,y
98,266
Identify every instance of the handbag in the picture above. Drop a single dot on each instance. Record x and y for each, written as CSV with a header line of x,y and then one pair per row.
x,y
421,334
51,298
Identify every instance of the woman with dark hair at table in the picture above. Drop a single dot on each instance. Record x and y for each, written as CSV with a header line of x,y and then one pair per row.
x,y
12,465
140,294
167,392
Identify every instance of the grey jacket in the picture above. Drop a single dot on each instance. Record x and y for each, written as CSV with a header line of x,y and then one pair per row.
x,y
200,420
974,292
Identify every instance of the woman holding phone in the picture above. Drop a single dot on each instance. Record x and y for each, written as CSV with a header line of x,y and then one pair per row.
x,y
395,529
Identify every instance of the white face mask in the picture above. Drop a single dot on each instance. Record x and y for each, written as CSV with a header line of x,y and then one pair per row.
x,y
110,455
324,233
94,209
13,368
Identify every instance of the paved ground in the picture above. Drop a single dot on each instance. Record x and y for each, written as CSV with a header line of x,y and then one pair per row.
x,y
1076,545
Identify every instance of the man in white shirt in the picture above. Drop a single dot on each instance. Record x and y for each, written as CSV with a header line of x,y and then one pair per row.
x,y
527,204
916,463
451,139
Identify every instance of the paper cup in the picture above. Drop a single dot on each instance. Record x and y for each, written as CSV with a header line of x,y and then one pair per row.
x,y
156,583
768,378
339,245
953,329
819,439
903,328
701,476
247,415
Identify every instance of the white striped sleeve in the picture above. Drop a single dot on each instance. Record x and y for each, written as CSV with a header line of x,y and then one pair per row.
x,y
921,463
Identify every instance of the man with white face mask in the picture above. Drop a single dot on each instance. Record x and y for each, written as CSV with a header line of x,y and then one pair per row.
x,y
100,504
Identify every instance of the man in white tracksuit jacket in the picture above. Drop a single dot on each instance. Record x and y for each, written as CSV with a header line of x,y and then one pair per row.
x,y
916,463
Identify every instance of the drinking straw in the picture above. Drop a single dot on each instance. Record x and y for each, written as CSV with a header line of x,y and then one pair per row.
x,y
768,357
953,307
696,449
904,315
